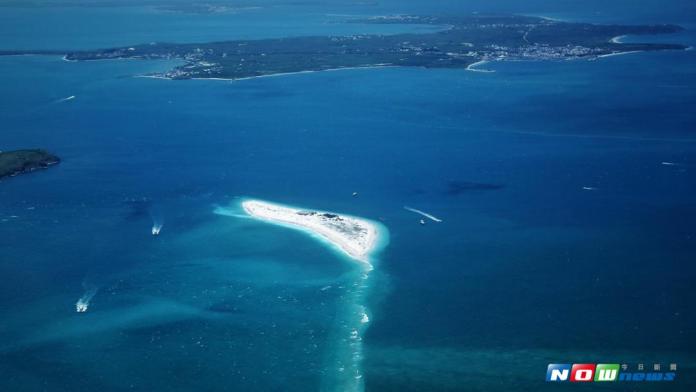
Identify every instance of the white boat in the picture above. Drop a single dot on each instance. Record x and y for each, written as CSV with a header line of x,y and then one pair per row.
x,y
81,307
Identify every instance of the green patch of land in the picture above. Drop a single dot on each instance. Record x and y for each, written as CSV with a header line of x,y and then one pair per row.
x,y
17,162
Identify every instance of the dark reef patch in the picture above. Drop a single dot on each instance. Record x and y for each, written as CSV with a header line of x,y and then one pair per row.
x,y
137,208
455,188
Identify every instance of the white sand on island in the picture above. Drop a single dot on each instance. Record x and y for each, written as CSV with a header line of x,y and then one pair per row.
x,y
355,236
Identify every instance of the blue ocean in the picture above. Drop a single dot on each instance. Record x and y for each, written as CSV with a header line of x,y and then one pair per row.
x,y
566,191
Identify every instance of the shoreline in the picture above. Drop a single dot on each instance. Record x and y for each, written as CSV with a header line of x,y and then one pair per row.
x,y
152,77
601,56
275,74
357,238
548,18
307,72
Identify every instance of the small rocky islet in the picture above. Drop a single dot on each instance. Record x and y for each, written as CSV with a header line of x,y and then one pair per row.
x,y
17,162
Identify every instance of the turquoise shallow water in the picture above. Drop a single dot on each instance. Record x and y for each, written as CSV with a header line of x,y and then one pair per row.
x,y
524,270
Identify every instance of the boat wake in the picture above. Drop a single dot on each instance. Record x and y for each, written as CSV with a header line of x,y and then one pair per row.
x,y
157,220
474,67
156,228
425,214
83,303
70,98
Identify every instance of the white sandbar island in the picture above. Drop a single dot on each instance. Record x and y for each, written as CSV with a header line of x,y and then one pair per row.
x,y
355,236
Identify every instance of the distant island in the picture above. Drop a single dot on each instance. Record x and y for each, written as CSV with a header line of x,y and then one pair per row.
x,y
17,162
356,237
463,42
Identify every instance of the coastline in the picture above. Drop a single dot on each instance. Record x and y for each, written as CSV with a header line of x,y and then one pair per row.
x,y
276,74
153,77
306,72
549,18
601,56
357,238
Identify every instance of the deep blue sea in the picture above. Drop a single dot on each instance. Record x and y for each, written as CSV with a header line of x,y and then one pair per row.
x,y
566,189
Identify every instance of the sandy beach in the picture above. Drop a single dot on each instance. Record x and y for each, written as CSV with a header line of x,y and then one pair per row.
x,y
354,236
372,66
617,54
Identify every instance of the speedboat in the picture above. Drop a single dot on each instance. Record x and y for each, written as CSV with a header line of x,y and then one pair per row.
x,y
81,307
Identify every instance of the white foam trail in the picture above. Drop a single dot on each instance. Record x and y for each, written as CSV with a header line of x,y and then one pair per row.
x,y
344,371
157,220
347,356
472,67
589,188
70,98
83,303
425,214
668,163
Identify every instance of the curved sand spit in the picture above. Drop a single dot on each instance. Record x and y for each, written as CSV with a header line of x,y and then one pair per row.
x,y
355,236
